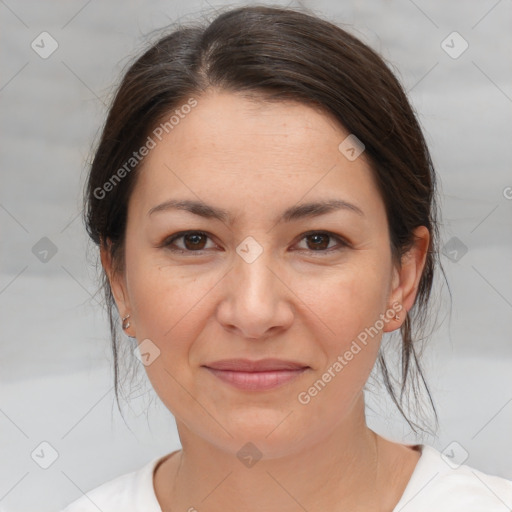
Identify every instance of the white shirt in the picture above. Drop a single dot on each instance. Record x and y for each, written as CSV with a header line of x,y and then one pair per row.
x,y
434,486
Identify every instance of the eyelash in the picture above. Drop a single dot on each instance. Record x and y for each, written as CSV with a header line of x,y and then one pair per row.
x,y
168,242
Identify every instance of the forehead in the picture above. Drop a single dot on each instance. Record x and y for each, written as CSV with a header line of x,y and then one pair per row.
x,y
248,125
239,150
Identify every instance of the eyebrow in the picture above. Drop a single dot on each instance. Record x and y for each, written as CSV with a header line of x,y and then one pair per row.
x,y
305,210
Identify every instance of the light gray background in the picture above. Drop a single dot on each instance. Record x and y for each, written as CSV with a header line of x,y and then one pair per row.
x,y
55,363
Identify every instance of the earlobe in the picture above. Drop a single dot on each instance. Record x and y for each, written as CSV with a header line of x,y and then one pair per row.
x,y
407,278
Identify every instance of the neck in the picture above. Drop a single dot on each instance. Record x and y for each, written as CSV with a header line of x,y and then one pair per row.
x,y
339,472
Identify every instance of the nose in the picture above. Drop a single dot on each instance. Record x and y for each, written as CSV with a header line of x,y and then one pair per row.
x,y
256,301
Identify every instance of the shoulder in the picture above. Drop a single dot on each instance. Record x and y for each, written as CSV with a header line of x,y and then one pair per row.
x,y
130,492
439,484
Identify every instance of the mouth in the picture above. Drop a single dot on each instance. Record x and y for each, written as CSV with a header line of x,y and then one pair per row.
x,y
256,375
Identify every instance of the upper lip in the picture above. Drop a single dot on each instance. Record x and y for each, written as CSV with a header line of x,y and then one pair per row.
x,y
247,365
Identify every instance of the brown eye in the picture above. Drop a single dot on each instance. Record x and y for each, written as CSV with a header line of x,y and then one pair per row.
x,y
319,241
193,241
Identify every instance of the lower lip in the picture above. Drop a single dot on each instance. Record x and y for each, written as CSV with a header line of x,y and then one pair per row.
x,y
257,381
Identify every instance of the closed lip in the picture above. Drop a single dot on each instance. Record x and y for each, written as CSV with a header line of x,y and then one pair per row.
x,y
263,365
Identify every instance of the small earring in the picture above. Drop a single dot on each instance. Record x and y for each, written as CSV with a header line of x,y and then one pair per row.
x,y
127,324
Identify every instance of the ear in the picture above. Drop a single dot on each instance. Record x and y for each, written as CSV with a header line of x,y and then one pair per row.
x,y
117,283
406,279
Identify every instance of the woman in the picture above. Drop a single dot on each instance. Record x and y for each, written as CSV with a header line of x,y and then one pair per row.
x,y
265,207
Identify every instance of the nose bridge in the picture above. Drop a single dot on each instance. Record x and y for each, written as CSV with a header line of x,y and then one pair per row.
x,y
255,299
254,281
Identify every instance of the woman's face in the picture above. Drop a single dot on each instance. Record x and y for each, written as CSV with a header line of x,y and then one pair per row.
x,y
258,284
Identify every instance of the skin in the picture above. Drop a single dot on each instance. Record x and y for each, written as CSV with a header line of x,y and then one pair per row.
x,y
255,159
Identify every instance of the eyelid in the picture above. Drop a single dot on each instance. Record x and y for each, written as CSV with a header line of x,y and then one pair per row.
x,y
166,244
342,242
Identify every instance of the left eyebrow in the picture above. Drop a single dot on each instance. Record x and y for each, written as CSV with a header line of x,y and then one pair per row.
x,y
306,210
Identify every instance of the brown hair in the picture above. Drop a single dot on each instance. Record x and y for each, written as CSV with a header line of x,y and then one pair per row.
x,y
281,54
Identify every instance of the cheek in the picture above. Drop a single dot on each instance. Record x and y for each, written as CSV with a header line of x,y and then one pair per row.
x,y
348,303
170,313
172,306
165,301
348,299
